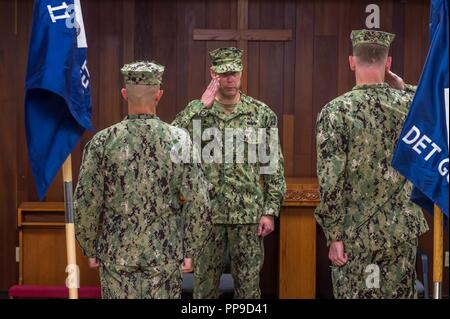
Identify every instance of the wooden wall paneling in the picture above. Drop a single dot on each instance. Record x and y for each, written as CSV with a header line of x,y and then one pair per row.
x,y
143,30
288,142
185,22
344,50
242,24
397,48
7,19
234,9
326,18
289,59
196,11
350,18
253,50
288,119
128,36
56,190
165,52
219,15
128,30
412,42
303,99
425,34
271,64
8,163
26,186
386,15
111,109
325,68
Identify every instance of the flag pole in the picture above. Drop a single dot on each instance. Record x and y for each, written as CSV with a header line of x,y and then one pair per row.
x,y
438,252
72,281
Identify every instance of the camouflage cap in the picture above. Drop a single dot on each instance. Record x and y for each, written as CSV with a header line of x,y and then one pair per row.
x,y
226,60
143,72
372,36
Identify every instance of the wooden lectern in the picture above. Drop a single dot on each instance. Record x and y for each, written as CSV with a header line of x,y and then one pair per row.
x,y
297,246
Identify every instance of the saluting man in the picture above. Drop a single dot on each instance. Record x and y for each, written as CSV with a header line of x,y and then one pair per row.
x,y
243,208
368,219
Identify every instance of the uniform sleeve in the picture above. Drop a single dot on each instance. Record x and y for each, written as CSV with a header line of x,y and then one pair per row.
x,y
88,198
184,118
409,92
197,214
274,181
331,162
411,89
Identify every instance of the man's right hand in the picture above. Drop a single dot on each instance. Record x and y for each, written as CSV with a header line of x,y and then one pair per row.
x,y
394,80
336,254
187,266
210,93
93,263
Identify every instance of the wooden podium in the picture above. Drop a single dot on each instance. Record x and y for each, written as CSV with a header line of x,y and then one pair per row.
x,y
42,246
297,246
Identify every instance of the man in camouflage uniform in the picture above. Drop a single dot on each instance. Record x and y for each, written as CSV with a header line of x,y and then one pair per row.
x,y
371,225
127,210
243,209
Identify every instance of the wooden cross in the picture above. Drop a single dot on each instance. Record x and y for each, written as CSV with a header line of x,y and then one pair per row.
x,y
242,35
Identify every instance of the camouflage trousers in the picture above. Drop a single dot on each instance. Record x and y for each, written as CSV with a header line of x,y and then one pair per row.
x,y
388,273
128,282
246,250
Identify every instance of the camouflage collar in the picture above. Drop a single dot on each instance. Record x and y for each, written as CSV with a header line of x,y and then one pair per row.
x,y
240,108
371,86
140,117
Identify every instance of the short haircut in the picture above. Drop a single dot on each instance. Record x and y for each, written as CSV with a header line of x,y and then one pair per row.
x,y
139,94
370,53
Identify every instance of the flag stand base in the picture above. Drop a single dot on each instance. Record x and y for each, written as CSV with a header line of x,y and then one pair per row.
x,y
437,290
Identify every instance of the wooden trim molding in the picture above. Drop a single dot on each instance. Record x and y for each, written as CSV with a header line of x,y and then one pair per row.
x,y
307,195
302,192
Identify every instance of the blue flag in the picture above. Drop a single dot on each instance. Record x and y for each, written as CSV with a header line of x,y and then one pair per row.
x,y
57,88
421,154
435,16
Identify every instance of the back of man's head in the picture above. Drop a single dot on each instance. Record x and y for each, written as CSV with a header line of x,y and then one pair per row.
x,y
142,95
370,54
371,48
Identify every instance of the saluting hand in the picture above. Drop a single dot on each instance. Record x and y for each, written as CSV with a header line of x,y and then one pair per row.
x,y
210,93
394,80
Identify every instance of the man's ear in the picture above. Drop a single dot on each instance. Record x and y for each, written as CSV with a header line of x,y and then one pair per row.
x,y
389,63
123,91
159,95
352,62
